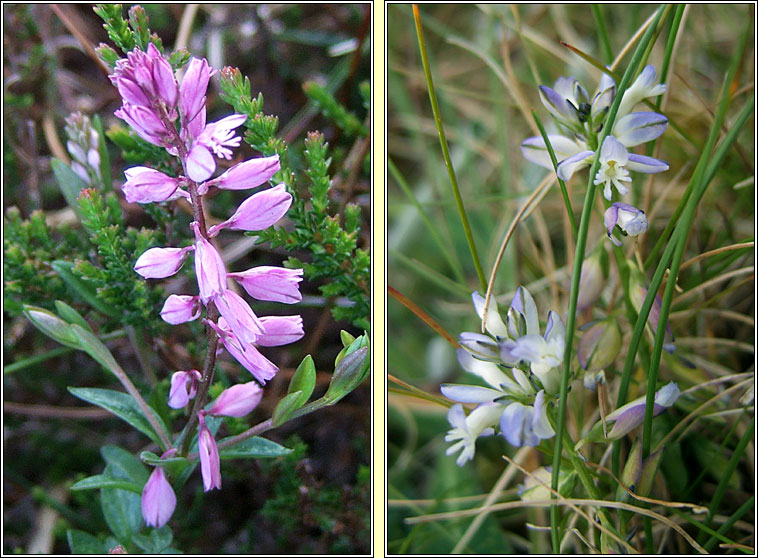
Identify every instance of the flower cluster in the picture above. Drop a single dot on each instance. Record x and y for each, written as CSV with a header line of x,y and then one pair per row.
x,y
519,402
583,120
153,100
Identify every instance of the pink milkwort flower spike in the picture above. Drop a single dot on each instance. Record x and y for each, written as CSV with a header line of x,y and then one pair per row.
x,y
179,309
146,185
210,464
237,401
209,267
257,212
275,284
158,263
254,362
183,388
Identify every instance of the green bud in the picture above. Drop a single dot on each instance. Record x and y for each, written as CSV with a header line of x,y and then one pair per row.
x,y
347,338
351,370
631,473
647,475
600,345
52,326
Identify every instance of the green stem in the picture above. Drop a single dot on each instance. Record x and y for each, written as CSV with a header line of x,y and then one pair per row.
x,y
602,32
445,152
742,510
561,183
578,259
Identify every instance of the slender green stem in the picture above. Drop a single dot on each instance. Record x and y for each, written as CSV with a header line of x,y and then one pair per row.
x,y
561,183
445,152
718,495
742,510
578,259
700,180
670,42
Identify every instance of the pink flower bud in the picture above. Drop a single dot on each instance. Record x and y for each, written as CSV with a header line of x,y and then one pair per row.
x,y
209,267
145,122
192,96
163,77
280,330
248,174
271,283
158,263
158,499
257,212
240,317
183,388
237,401
210,464
179,309
145,185
254,362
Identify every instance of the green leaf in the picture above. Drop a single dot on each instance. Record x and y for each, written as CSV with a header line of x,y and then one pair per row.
x,y
83,543
120,404
155,541
64,269
304,379
174,466
95,348
126,465
70,315
286,406
254,448
52,326
122,511
69,183
103,481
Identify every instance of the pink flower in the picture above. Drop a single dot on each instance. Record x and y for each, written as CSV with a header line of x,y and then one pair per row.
x,y
257,212
209,267
146,123
143,77
248,174
280,330
215,139
210,464
158,499
145,185
179,309
237,401
254,362
240,317
157,263
183,388
271,283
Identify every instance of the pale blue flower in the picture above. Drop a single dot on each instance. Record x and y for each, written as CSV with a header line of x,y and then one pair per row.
x,y
526,425
466,429
629,219
631,415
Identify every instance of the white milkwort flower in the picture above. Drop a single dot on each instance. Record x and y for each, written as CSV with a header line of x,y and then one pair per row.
x,y
526,425
629,219
613,160
466,429
643,87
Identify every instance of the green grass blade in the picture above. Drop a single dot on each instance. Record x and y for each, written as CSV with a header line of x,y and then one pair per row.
x,y
445,151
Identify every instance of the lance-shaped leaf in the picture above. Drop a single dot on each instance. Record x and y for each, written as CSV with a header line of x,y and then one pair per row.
x,y
120,404
52,326
255,448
